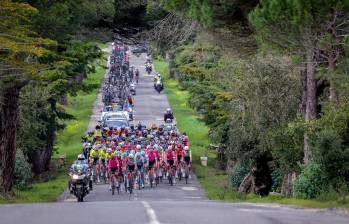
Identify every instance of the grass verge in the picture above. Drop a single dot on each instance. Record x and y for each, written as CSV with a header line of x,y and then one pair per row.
x,y
68,142
214,181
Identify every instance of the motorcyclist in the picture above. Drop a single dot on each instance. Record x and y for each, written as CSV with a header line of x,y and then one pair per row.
x,y
81,165
168,115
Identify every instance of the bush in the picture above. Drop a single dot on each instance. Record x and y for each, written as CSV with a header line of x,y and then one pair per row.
x,y
239,172
310,182
23,174
276,176
329,152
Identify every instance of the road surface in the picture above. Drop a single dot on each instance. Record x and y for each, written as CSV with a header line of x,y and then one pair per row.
x,y
165,204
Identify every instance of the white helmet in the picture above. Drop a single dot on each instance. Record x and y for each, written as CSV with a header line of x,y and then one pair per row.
x,y
186,148
138,147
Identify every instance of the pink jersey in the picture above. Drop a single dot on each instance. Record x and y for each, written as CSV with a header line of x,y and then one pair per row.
x,y
169,155
151,155
113,163
157,155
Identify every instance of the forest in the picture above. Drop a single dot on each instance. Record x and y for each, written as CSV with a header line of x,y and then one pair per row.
x,y
269,78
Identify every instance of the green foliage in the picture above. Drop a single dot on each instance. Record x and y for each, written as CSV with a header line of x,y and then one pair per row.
x,y
60,20
37,119
287,145
238,174
328,151
310,183
23,174
19,44
200,10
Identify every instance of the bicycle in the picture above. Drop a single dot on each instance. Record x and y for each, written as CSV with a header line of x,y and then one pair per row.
x,y
114,183
186,172
130,179
170,175
179,170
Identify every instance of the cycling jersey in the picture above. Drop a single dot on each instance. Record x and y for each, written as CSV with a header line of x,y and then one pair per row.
x,y
151,156
94,153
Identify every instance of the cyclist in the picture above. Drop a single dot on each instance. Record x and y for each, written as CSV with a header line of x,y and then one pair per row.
x,y
169,158
130,167
151,161
113,167
94,160
187,157
140,167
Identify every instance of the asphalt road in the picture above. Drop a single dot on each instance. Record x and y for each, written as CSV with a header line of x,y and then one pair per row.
x,y
169,212
180,203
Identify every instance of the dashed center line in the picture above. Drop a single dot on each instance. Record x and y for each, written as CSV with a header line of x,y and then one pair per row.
x,y
189,188
151,213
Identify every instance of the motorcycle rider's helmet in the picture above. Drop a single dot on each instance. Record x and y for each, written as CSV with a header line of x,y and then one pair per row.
x,y
168,110
81,157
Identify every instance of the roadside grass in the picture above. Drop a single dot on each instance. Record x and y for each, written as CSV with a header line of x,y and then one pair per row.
x,y
216,182
67,142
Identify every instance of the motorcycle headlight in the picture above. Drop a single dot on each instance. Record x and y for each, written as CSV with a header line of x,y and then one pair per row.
x,y
75,176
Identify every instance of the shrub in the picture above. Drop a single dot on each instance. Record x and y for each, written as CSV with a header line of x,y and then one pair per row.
x,y
239,172
23,174
310,182
328,151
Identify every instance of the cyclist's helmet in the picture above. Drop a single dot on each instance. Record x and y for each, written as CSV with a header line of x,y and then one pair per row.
x,y
131,156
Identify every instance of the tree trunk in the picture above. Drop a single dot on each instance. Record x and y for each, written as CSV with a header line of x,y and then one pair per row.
x,y
247,185
41,158
8,123
332,68
288,184
310,110
303,104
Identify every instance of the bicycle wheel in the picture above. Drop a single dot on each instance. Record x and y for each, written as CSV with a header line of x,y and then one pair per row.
x,y
139,181
131,186
112,186
179,173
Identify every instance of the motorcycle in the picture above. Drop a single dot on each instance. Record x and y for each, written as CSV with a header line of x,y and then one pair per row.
x,y
79,183
158,86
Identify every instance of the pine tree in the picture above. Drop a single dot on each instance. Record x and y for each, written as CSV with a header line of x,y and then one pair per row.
x,y
19,49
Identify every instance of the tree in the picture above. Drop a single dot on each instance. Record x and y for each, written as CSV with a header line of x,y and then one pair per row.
x,y
19,47
290,26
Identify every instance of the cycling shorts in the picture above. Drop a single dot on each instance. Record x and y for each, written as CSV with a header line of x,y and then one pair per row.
x,y
179,157
131,168
187,159
113,169
171,162
95,160
151,164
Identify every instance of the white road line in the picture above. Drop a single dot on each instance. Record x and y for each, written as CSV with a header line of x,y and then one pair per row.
x,y
151,213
